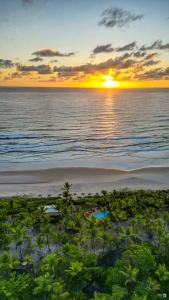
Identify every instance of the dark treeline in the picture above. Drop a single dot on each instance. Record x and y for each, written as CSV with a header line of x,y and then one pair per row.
x,y
71,254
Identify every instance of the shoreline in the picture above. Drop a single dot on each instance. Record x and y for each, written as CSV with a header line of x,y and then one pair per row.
x,y
83,179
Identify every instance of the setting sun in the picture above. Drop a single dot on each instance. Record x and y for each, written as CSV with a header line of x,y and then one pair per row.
x,y
109,82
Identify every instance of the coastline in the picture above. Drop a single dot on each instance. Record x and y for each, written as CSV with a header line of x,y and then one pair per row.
x,y
83,179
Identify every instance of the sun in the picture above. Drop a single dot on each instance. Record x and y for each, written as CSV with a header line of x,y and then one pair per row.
x,y
109,82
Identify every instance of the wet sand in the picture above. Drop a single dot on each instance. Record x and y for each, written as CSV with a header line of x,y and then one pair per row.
x,y
83,180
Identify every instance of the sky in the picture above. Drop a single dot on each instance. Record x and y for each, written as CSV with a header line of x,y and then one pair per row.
x,y
89,43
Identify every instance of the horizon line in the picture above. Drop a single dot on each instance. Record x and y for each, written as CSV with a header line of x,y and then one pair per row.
x,y
88,88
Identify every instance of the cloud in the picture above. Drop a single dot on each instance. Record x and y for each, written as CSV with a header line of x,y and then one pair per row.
x,y
53,61
27,1
66,74
7,78
139,54
128,61
129,66
118,63
127,47
36,59
52,53
16,75
151,62
126,55
151,55
108,48
154,74
103,49
6,63
157,45
117,17
51,79
41,69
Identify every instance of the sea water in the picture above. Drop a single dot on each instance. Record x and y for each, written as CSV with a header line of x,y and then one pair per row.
x,y
117,128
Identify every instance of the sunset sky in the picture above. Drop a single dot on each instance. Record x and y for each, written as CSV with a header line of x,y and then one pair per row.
x,y
89,43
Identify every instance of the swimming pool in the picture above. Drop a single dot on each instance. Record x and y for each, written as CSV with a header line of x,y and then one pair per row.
x,y
101,214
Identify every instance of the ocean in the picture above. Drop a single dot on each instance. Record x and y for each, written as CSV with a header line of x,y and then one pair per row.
x,y
123,129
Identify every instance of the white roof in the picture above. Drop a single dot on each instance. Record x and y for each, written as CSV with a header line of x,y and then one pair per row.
x,y
50,209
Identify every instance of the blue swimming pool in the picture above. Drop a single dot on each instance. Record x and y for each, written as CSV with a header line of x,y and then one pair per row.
x,y
101,214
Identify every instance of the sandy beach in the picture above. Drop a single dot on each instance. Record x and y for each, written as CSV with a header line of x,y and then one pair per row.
x,y
83,180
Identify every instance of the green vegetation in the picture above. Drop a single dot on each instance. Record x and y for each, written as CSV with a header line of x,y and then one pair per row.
x,y
72,255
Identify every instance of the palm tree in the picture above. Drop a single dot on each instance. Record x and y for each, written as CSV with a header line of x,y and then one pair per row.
x,y
5,236
7,264
50,264
78,275
164,245
162,273
48,288
152,288
40,241
18,233
66,192
130,276
47,231
93,232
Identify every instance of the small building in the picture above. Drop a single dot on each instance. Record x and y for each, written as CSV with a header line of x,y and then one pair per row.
x,y
51,211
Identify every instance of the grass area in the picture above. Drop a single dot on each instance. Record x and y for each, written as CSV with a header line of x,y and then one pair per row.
x,y
73,255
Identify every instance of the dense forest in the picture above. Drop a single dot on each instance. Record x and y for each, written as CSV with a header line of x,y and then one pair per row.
x,y
72,253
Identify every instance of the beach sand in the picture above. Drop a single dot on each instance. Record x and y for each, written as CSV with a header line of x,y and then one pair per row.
x,y
83,180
